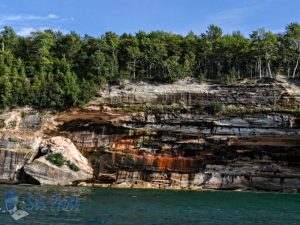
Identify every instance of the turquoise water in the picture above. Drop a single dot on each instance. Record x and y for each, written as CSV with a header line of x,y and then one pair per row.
x,y
150,207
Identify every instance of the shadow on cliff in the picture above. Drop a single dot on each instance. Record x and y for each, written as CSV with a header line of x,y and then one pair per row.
x,y
295,81
23,177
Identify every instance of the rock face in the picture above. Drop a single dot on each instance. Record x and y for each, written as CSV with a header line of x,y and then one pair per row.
x,y
11,162
254,146
159,136
254,95
48,173
21,158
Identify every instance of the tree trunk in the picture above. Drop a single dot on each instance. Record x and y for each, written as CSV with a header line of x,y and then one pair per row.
x,y
259,67
269,69
133,69
296,66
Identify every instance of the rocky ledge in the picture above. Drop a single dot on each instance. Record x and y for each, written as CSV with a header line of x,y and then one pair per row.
x,y
180,136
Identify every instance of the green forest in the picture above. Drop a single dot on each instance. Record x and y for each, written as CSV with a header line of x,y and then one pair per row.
x,y
50,69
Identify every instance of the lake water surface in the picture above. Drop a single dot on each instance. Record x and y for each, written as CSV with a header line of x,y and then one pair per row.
x,y
149,207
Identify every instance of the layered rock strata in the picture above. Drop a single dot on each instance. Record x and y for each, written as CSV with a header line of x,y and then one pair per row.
x,y
179,136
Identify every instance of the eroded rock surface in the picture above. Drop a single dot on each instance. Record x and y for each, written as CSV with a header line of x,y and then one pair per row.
x,y
253,147
21,134
252,144
46,172
11,162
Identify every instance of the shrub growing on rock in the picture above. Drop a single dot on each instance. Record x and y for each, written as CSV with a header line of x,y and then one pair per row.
x,y
59,160
213,108
72,166
56,159
210,108
2,124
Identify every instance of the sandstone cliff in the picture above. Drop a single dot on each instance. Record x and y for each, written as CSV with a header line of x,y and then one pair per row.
x,y
46,172
25,147
185,136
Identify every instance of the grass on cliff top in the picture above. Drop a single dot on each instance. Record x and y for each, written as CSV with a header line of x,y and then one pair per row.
x,y
295,112
210,108
155,108
59,160
240,111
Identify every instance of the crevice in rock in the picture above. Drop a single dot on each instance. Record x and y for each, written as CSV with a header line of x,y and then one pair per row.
x,y
23,177
43,151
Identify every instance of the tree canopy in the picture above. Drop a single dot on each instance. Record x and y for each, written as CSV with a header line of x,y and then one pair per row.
x,y
49,69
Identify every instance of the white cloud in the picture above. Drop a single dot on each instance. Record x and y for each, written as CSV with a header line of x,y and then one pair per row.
x,y
52,16
25,31
21,17
28,23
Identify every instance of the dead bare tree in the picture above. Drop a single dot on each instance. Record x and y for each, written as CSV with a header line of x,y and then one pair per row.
x,y
296,46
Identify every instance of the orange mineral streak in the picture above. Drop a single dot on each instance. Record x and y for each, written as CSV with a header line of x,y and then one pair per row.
x,y
86,114
167,163
149,159
123,144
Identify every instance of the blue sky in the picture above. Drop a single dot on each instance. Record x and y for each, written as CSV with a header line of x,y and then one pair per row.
x,y
95,17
